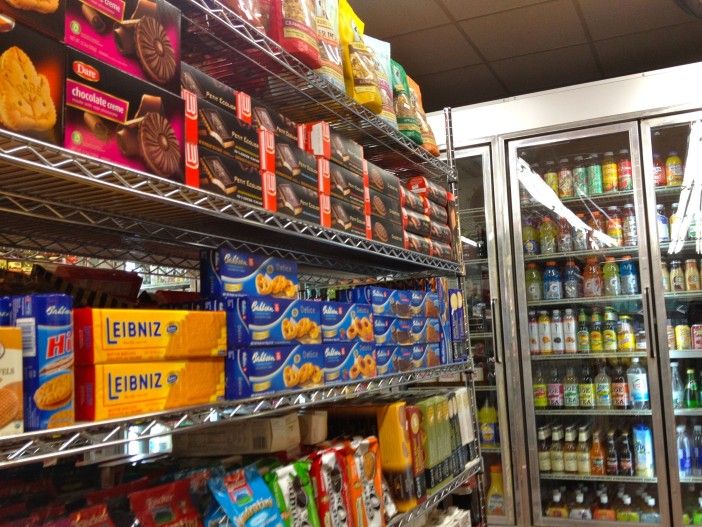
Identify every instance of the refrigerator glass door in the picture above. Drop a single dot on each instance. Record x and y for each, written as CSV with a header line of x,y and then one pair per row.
x,y
583,303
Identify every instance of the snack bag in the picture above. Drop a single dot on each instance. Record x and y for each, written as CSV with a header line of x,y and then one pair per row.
x,y
428,140
255,12
359,71
164,506
405,113
330,488
327,19
364,455
292,491
293,26
381,61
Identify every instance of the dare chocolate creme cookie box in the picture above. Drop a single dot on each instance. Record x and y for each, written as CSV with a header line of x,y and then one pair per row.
x,y
122,119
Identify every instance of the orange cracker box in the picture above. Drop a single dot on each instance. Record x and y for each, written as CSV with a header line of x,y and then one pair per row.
x,y
105,391
133,335
11,414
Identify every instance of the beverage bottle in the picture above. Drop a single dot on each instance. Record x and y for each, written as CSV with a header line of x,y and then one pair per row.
x,y
691,396
692,275
565,180
674,221
626,181
612,466
557,336
697,513
620,389
626,512
579,510
673,170
603,388
677,386
572,280
604,512
697,450
597,455
580,235
579,177
626,342
482,244
570,455
609,330
545,340
565,236
626,460
586,389
593,285
540,390
665,277
556,509
548,232
610,175
637,378
615,226
662,224
684,452
553,287
596,343
530,236
555,391
570,337
534,348
557,463
570,390
610,275
495,496
629,275
487,417
583,335
598,228
551,176
594,175
677,276
650,513
682,334
643,451
629,231
534,282
544,447
659,178
583,451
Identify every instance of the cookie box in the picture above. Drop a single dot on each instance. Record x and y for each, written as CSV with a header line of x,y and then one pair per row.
x,y
414,419
5,305
47,348
230,273
457,314
135,335
346,322
442,250
440,232
262,321
303,203
350,218
426,330
428,355
416,223
411,201
327,471
396,454
257,371
426,187
346,361
211,90
435,211
321,141
383,181
46,16
105,391
291,486
364,454
392,331
11,398
265,117
32,67
138,37
393,359
300,167
419,244
424,304
348,186
119,118
387,231
391,302
384,207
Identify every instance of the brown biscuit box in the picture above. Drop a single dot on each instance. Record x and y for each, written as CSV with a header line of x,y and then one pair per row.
x,y
349,218
270,119
209,89
383,181
138,37
45,16
297,166
11,412
387,231
384,207
349,186
31,82
303,203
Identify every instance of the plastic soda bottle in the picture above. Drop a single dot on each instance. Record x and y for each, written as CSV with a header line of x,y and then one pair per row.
x,y
572,281
534,348
557,336
579,177
548,233
659,178
594,175
593,285
545,340
610,176
625,181
610,275
643,451
551,176
628,271
530,236
673,169
534,282
565,179
638,385
570,332
553,287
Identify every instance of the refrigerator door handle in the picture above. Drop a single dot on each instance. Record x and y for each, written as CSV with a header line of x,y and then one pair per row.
x,y
649,312
498,355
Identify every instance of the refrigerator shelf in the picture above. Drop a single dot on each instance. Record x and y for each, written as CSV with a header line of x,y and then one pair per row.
x,y
691,479
668,192
688,245
490,449
604,479
618,197
481,335
476,262
595,356
688,412
685,354
612,251
479,388
564,522
682,296
592,411
584,301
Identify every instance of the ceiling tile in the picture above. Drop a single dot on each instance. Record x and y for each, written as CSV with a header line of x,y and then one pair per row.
x,y
605,18
461,10
432,50
527,30
659,48
388,18
459,87
548,69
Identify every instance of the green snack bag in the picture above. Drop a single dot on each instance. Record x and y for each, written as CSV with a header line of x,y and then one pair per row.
x,y
404,111
292,491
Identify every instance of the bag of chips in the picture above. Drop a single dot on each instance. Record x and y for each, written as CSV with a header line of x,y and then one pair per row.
x,y
359,71
255,12
328,476
293,26
292,491
428,140
381,61
327,20
406,115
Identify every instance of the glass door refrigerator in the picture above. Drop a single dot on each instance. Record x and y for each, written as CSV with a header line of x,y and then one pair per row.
x,y
672,157
483,303
584,324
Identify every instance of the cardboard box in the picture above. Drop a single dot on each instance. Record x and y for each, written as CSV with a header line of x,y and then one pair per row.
x,y
5,307
414,419
383,181
43,61
350,218
313,427
315,139
390,302
457,315
440,232
435,211
303,203
348,186
263,370
300,167
386,231
426,187
346,322
393,359
227,273
123,285
424,304
426,330
47,348
392,331
419,244
426,355
122,119
135,335
321,141
211,90
270,119
384,207
349,361
11,394
105,391
416,223
141,39
45,17
442,250
411,201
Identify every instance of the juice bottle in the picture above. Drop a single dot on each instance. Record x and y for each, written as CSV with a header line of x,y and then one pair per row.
x,y
596,343
604,512
662,224
643,451
553,287
603,389
692,275
610,275
674,221
598,228
534,348
556,509
570,455
534,282
609,331
673,170
594,175
488,423
570,337
557,336
579,177
586,389
593,285
629,230
625,181
540,390
629,274
580,235
544,447
637,378
659,178
580,511
570,391
626,513
548,232
597,455
530,236
572,280
565,236
615,227
612,462
583,336
626,459
555,393
545,341
677,276
610,176
620,389
565,179
583,451
665,277
551,176
557,463
495,495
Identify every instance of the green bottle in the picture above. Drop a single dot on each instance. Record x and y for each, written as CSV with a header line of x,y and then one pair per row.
x,y
691,396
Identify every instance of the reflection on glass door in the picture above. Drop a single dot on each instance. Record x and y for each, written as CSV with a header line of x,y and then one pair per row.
x,y
482,300
673,178
596,449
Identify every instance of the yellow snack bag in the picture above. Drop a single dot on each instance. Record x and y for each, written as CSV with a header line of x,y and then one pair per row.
x,y
428,140
359,71
380,52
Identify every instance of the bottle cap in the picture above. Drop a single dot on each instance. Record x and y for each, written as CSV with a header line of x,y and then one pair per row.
x,y
564,160
579,498
626,499
680,429
651,501
623,151
604,499
609,153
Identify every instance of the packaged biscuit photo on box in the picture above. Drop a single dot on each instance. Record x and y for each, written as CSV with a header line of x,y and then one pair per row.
x,y
387,231
384,207
46,16
303,203
383,181
349,361
11,392
392,330
393,359
350,218
426,330
348,186
346,322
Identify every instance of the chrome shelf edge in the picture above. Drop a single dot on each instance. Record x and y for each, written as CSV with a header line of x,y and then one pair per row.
x,y
613,251
685,354
583,477
590,411
570,356
586,300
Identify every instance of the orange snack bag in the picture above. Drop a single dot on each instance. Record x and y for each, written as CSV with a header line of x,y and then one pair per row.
x,y
428,140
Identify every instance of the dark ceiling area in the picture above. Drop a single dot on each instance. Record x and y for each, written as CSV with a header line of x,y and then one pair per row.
x,y
469,51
